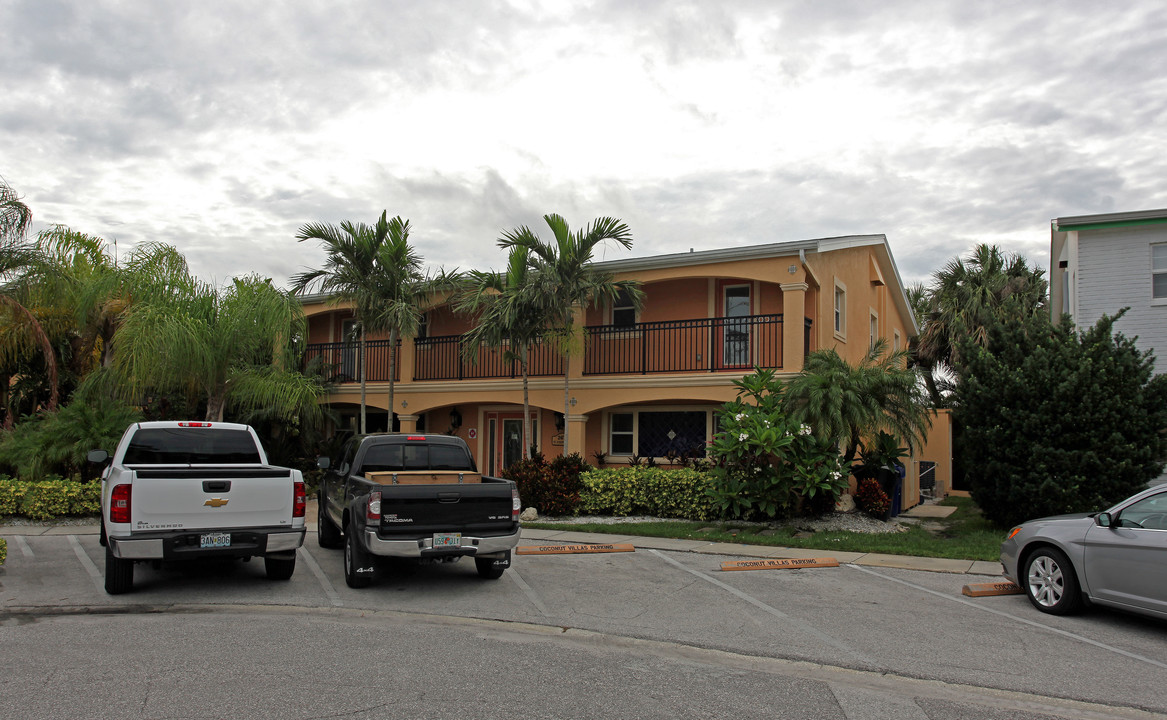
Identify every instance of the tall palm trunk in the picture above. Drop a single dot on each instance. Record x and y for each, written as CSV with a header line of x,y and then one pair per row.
x,y
526,404
364,364
42,339
392,374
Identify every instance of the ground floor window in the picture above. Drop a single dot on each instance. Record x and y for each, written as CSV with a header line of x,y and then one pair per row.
x,y
658,433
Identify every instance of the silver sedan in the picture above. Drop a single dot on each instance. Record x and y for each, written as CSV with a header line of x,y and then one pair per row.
x,y
1116,558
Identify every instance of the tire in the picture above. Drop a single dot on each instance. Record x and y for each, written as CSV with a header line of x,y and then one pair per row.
x,y
1050,583
355,560
327,533
487,569
279,568
119,573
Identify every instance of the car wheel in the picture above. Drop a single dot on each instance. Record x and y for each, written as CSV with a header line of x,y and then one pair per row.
x,y
119,573
1050,582
327,533
487,569
279,568
358,566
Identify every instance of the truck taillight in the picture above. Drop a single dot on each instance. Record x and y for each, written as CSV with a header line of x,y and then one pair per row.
x,y
299,501
194,424
373,509
119,504
516,504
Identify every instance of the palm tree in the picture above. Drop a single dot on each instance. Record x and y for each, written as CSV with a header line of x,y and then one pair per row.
x,y
507,315
231,345
845,403
966,298
375,270
19,260
563,278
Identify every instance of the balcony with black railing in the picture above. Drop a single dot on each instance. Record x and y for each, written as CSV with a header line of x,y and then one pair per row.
x,y
722,344
678,346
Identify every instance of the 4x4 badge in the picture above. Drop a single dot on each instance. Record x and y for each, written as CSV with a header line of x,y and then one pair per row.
x,y
216,502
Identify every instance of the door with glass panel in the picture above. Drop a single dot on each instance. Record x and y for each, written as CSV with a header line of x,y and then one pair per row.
x,y
735,328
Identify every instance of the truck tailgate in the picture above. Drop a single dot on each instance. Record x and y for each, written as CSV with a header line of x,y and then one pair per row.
x,y
210,497
465,508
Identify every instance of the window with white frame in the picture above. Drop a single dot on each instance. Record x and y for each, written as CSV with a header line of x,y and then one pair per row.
x,y
620,433
658,433
874,330
623,309
1159,271
840,309
895,345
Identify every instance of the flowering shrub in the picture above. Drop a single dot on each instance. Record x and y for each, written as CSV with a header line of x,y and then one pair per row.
x,y
3,550
48,498
670,493
551,488
766,466
871,498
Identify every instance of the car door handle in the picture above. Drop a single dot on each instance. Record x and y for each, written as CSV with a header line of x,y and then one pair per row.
x,y
216,486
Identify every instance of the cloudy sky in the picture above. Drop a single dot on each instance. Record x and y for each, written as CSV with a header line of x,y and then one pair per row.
x,y
222,127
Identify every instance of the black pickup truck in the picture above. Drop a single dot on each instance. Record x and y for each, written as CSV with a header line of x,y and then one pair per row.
x,y
404,495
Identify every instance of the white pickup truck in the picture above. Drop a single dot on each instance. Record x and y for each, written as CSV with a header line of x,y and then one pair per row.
x,y
187,490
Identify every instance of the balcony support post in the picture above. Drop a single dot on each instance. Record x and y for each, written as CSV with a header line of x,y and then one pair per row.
x,y
793,311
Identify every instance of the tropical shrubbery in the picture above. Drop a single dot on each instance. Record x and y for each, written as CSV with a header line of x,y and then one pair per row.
x,y
552,488
764,464
3,550
681,493
49,498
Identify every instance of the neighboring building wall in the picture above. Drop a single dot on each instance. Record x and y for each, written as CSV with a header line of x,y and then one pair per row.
x,y
1114,271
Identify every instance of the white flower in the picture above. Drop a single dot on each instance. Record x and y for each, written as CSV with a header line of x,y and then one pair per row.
x,y
804,430
743,436
739,416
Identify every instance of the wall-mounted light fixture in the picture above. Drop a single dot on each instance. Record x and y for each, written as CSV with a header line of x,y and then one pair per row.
x,y
455,419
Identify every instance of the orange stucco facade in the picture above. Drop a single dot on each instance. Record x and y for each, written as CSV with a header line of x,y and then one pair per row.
x,y
708,318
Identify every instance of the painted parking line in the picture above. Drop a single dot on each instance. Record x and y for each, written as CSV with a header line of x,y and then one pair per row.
x,y
794,622
1016,618
329,590
23,545
518,580
94,574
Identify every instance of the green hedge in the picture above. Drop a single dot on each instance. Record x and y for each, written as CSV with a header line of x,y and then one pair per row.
x,y
49,498
641,490
3,550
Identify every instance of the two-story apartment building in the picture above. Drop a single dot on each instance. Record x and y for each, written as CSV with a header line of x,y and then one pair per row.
x,y
647,383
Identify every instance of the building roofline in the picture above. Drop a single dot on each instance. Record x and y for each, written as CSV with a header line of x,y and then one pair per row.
x,y
747,252
1087,222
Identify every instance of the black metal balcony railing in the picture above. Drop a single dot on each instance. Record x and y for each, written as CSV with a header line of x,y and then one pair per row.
x,y
702,345
677,346
342,360
442,358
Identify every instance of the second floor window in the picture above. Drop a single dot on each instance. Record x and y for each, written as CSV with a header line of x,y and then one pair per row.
x,y
840,311
623,310
1159,272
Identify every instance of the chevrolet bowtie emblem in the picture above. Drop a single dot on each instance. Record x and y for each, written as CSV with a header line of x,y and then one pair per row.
x,y
216,502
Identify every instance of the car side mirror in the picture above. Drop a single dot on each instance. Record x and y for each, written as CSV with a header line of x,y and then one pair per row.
x,y
97,457
323,463
1103,519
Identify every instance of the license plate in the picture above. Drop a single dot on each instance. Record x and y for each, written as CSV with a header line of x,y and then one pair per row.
x,y
447,540
215,540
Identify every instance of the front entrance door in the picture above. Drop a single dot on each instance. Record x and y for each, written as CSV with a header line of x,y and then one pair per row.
x,y
506,445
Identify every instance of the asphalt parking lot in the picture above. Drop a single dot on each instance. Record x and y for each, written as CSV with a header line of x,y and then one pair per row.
x,y
872,618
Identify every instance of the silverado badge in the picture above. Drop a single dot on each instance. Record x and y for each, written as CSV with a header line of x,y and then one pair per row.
x,y
216,502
